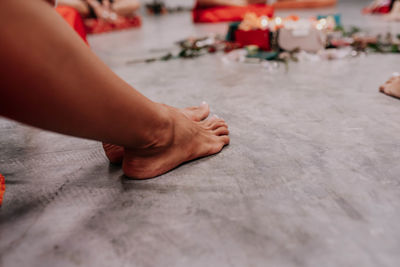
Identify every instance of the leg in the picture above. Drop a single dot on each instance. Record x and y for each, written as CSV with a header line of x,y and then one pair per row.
x,y
199,140
74,97
125,8
115,154
395,12
81,6
222,2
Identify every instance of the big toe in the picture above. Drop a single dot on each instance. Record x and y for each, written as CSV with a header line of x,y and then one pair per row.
x,y
219,144
197,113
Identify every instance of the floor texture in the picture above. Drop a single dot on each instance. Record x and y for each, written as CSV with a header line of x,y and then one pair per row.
x,y
311,178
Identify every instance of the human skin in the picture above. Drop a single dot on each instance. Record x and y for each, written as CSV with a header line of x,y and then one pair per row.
x,y
79,5
50,79
391,87
123,8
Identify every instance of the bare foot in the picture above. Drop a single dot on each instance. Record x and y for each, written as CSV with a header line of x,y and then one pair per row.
x,y
197,113
115,154
391,87
394,14
184,141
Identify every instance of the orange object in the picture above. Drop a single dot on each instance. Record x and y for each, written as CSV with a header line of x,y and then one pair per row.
x,y
74,19
288,4
99,26
293,17
2,188
229,13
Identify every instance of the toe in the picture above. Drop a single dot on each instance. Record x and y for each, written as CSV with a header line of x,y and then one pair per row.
x,y
390,80
224,139
386,90
221,131
198,113
218,144
212,121
217,125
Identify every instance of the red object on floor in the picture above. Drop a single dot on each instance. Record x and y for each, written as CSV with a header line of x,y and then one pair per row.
x,y
74,19
100,26
259,38
377,10
295,4
2,188
229,13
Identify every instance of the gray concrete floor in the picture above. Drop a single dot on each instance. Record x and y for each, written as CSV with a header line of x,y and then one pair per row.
x,y
311,177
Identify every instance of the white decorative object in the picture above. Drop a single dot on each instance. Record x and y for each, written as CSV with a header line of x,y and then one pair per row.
x,y
311,40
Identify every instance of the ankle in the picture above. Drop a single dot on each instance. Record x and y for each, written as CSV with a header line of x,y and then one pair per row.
x,y
161,132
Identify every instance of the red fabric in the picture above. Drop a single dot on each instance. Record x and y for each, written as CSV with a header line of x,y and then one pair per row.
x,y
2,188
382,9
99,26
259,38
229,13
74,19
88,26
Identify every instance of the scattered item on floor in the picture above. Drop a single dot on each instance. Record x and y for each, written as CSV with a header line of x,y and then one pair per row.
x,y
158,7
295,4
287,33
303,35
94,26
257,39
379,44
378,7
253,30
263,55
2,188
336,17
232,28
192,48
229,13
74,19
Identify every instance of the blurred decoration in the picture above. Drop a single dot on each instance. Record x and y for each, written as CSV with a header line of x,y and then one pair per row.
x,y
192,48
214,14
390,9
94,26
261,39
296,4
378,7
158,7
84,26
